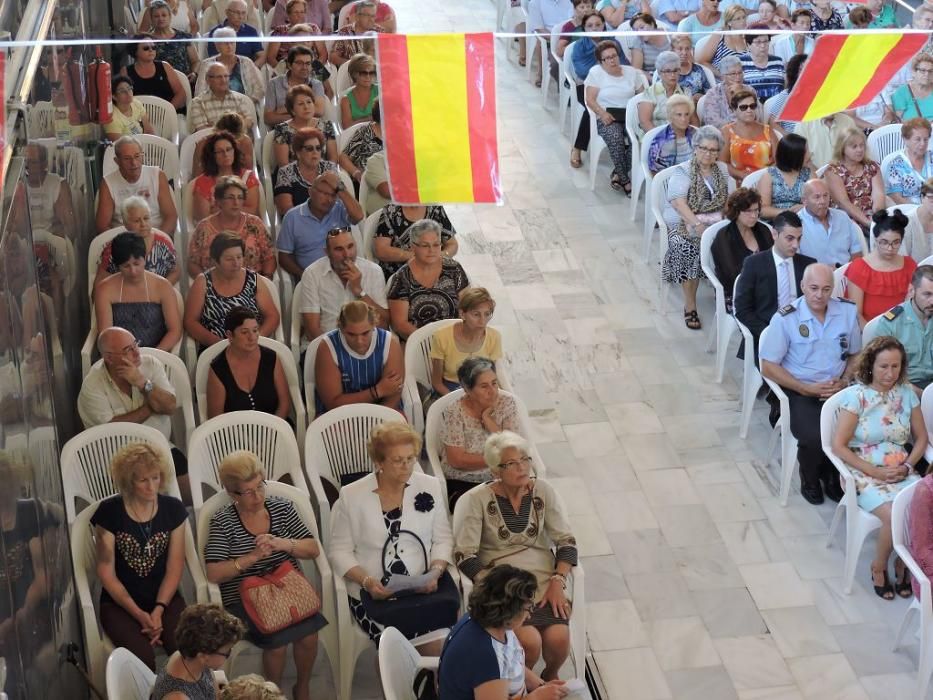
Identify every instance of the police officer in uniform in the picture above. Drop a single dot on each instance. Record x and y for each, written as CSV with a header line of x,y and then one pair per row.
x,y
809,351
910,323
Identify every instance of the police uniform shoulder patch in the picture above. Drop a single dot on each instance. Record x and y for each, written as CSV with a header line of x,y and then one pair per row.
x,y
892,314
845,301
786,309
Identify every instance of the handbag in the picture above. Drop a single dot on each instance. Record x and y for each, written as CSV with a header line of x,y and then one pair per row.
x,y
279,598
412,613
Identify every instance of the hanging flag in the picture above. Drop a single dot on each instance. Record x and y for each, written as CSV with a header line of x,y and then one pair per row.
x,y
847,71
438,108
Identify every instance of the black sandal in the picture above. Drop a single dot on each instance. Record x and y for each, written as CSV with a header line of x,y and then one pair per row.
x,y
615,182
692,320
903,586
886,591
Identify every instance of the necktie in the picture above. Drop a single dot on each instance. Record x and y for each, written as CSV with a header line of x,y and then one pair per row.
x,y
785,288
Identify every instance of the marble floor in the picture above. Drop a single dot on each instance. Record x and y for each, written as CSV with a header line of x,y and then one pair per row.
x,y
699,584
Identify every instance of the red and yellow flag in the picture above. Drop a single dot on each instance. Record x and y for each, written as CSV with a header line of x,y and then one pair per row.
x,y
438,104
847,71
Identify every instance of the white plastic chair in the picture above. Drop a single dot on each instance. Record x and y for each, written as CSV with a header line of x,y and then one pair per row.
x,y
40,120
162,116
217,12
188,149
157,151
343,138
725,326
183,422
788,441
656,199
859,523
751,377
309,377
399,663
342,81
296,333
418,367
631,128
839,281
752,179
370,224
647,176
317,571
884,141
870,331
95,250
269,437
926,408
701,103
128,678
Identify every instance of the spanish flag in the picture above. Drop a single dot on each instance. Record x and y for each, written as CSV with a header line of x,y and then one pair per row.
x,y
846,71
438,108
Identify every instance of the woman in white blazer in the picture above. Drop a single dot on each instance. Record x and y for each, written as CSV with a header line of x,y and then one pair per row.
x,y
377,524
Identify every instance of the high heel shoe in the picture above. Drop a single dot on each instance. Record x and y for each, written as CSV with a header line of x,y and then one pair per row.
x,y
887,590
903,586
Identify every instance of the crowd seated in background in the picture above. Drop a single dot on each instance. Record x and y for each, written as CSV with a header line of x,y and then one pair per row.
x,y
152,77
452,345
879,279
825,16
236,20
243,75
299,72
160,251
466,424
880,435
296,12
336,279
542,18
811,367
652,108
51,206
181,16
230,196
140,539
356,104
905,173
674,144
252,536
358,362
540,540
233,124
305,227
205,109
768,17
129,116
829,235
392,246
133,298
246,376
691,77
220,159
744,235
775,105
646,49
917,243
749,145
703,22
717,107
915,97
800,42
385,15
909,322
170,40
364,24
293,181
393,522
228,283
719,46
130,178
617,12
696,197
763,71
317,14
364,142
781,186
854,179
821,136
427,287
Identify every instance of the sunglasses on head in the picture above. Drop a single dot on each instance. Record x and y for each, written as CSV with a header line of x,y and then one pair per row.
x,y
334,232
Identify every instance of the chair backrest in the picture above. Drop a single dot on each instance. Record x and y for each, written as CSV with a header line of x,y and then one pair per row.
x,y
128,678
183,419
839,281
828,417
40,121
870,330
295,327
162,116
157,151
646,142
188,149
343,138
369,236
906,209
274,293
926,408
752,179
657,196
186,88
567,64
418,352
94,251
706,256
399,663
343,17
701,43
342,81
309,377
701,105
884,141
87,588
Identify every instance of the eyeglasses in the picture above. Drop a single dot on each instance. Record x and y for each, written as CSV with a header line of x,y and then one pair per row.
x,y
334,232
370,73
312,149
707,149
891,245
234,197
733,74
844,344
516,463
745,106
225,654
251,492
401,461
125,351
610,57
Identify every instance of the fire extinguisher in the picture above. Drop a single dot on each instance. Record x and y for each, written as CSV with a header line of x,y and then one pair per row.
x,y
73,84
98,83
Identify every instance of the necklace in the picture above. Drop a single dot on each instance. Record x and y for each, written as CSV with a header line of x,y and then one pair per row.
x,y
193,677
144,527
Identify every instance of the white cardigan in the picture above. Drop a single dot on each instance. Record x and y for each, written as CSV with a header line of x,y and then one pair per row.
x,y
358,529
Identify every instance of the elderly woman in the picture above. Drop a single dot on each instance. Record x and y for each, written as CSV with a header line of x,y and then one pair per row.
x,y
392,245
763,71
133,298
854,179
246,376
744,236
717,107
915,97
296,14
300,105
878,421
356,105
225,285
230,195
181,16
719,46
646,49
205,636
749,145
452,345
781,186
768,17
703,22
358,362
674,144
691,77
652,109
905,172
466,423
825,16
880,279
160,251
171,41
220,159
608,88
251,536
245,77
482,656
362,145
428,286
293,181
775,105
129,116
140,535
521,518
152,77
393,522
696,197
918,239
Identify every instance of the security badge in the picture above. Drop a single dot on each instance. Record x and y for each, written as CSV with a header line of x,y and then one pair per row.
x,y
804,330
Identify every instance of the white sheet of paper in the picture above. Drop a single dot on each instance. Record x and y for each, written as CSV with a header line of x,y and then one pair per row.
x,y
399,582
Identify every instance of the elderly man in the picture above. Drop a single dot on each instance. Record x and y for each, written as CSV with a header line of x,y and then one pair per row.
x,y
329,283
365,23
299,62
304,228
50,203
129,387
219,99
236,20
910,323
810,351
829,235
133,178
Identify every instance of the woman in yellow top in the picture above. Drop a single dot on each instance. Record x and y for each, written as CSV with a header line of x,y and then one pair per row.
x,y
129,115
750,145
453,344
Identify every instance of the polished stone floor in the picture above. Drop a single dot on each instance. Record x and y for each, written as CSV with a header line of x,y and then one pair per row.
x,y
699,584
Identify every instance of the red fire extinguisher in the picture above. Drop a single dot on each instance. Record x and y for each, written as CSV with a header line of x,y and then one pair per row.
x,y
74,87
98,83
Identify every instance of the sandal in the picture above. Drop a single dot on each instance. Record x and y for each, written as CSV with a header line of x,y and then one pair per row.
x,y
575,160
615,182
627,189
692,320
886,591
903,586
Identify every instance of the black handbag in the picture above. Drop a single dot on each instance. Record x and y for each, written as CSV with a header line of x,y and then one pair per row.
x,y
411,613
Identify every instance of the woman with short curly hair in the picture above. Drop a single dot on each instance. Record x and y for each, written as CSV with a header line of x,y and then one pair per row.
x,y
221,158
744,235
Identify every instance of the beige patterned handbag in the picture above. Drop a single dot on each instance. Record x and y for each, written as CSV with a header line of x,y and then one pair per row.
x,y
279,598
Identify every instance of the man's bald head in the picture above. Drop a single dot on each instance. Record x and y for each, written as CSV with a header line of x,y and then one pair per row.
x,y
114,339
818,273
815,197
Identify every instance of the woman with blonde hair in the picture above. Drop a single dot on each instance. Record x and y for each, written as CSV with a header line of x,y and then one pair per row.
x,y
854,179
140,535
356,104
254,535
719,45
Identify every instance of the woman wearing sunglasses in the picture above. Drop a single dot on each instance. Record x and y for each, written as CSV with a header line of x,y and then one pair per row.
x,y
152,77
356,105
749,144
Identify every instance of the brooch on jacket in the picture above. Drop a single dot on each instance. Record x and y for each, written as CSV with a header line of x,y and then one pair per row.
x,y
424,502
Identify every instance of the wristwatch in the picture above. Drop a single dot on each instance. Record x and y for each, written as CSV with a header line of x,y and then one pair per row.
x,y
148,387
340,186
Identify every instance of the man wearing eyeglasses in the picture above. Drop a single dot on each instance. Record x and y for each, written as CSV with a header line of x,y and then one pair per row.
x,y
129,387
762,70
304,228
208,107
810,350
300,60
364,23
236,20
